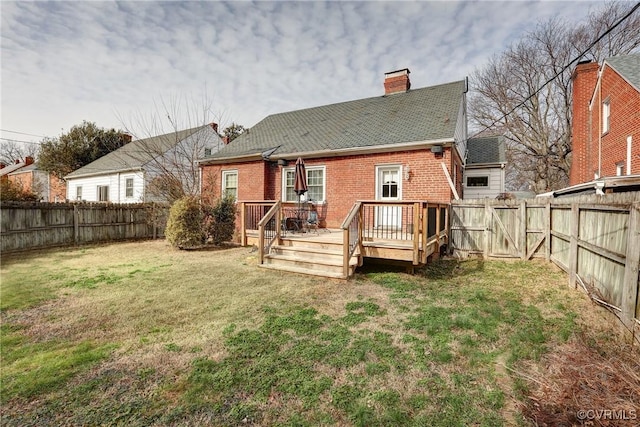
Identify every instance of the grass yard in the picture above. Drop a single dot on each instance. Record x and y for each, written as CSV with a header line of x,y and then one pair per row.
x,y
139,334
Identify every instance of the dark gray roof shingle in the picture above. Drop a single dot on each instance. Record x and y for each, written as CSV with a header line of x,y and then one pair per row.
x,y
424,114
136,154
627,66
486,150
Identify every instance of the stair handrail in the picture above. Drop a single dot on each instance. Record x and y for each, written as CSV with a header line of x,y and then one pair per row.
x,y
267,236
352,235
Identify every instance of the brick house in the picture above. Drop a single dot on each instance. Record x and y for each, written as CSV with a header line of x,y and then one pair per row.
x,y
606,119
26,175
393,147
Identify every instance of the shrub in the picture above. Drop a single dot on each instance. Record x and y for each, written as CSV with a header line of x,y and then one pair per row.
x,y
185,223
11,191
220,220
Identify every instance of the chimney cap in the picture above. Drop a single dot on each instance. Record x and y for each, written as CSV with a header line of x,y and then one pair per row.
x,y
399,72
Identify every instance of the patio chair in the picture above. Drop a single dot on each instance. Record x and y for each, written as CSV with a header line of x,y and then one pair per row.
x,y
312,220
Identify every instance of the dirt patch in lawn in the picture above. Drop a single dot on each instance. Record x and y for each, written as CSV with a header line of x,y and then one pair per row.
x,y
578,383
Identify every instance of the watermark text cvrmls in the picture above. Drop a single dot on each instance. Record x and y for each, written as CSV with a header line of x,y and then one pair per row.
x,y
606,414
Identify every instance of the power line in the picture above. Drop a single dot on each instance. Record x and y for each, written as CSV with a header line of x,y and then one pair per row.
x,y
21,133
577,58
20,140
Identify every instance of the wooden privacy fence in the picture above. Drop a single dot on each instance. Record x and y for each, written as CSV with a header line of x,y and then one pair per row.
x,y
595,240
32,225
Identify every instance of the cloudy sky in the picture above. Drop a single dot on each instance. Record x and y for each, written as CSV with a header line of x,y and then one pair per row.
x,y
119,64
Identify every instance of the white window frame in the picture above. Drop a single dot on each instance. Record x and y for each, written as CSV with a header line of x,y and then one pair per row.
x,y
79,192
126,187
99,193
619,168
606,116
285,171
225,189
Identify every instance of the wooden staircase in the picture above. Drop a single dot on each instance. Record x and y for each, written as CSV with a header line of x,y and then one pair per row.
x,y
317,256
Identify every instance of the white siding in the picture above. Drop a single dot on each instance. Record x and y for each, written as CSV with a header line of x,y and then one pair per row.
x,y
496,183
460,134
116,183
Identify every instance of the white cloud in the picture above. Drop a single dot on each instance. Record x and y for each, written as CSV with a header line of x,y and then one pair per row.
x,y
64,62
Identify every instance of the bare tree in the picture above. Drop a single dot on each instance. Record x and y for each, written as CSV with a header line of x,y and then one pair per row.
x,y
170,141
11,150
525,92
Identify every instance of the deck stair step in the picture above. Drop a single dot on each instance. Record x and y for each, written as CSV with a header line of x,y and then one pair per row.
x,y
309,259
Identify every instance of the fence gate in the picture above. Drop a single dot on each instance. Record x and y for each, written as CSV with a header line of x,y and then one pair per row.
x,y
503,227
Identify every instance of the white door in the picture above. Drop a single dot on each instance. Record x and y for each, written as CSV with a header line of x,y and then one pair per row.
x,y
389,188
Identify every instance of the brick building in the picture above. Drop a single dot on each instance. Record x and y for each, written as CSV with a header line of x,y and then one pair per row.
x,y
606,119
391,147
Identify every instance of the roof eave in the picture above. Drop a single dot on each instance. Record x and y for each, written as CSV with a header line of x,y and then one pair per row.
x,y
414,145
107,172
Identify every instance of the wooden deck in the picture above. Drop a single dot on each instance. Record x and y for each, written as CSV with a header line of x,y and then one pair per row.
x,y
410,232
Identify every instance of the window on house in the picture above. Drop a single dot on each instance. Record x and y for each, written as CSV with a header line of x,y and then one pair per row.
x,y
230,183
103,193
606,114
128,184
477,181
619,168
315,184
79,192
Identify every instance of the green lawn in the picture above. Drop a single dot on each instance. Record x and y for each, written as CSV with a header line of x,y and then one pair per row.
x,y
140,334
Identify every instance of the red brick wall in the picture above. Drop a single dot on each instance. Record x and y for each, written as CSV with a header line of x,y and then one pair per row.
x,y
348,179
587,136
584,81
23,180
624,103
57,189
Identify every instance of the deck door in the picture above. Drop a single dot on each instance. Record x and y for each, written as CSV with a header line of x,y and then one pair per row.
x,y
389,188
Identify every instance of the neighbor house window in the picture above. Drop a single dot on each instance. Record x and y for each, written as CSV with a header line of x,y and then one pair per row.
x,y
606,114
103,193
315,184
619,168
128,184
477,181
230,183
79,192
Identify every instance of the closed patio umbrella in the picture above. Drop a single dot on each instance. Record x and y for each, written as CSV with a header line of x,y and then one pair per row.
x,y
300,183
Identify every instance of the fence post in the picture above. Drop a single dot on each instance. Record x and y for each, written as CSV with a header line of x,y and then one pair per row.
x,y
523,230
573,248
76,225
487,228
630,287
548,232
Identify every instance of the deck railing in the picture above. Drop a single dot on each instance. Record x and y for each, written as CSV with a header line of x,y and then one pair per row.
x,y
352,235
422,224
251,212
269,230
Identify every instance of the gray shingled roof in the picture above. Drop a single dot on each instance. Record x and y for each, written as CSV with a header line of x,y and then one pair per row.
x,y
627,66
425,114
134,155
486,150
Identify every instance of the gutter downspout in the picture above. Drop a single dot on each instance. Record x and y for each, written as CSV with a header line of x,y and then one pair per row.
x,y
599,124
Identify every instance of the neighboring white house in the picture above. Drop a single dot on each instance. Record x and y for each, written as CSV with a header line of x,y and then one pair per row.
x,y
484,171
124,175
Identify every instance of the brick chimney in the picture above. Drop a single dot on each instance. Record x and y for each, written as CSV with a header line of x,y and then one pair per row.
x,y
126,138
584,150
397,81
214,126
28,160
226,140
